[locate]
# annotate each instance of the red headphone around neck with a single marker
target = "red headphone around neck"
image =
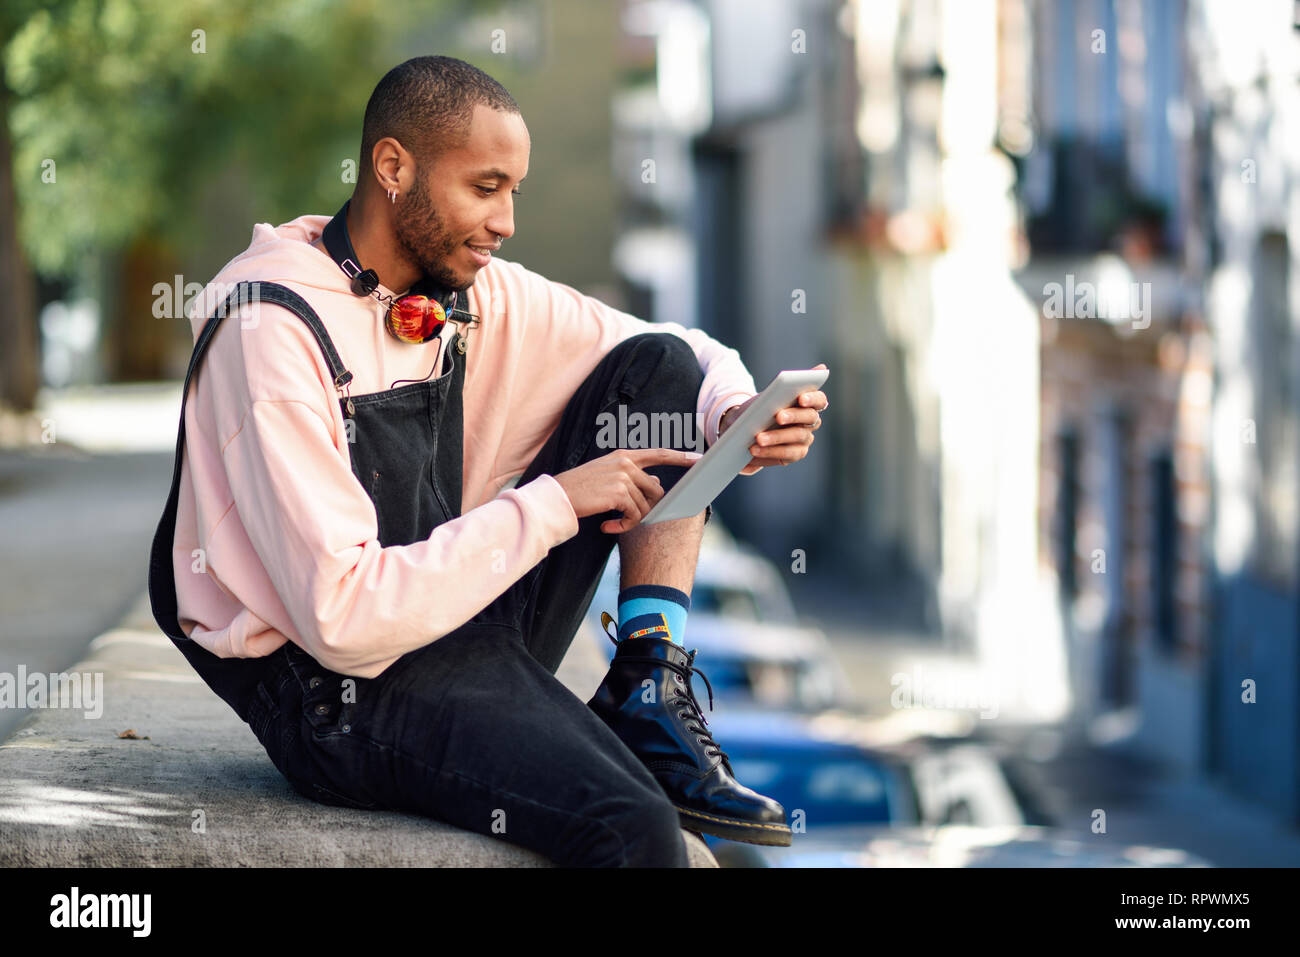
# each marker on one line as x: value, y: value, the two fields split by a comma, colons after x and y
x: 416, y: 317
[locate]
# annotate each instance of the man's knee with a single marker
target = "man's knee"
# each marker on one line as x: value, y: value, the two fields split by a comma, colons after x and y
x: 664, y: 370
x: 647, y: 833
x: 659, y: 842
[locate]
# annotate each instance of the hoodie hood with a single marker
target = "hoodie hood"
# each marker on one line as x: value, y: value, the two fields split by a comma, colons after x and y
x: 285, y: 253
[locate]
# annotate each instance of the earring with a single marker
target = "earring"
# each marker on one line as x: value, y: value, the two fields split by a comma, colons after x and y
x: 392, y: 196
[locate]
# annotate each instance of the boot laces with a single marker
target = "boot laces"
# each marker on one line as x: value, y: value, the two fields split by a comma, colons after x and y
x: 687, y: 698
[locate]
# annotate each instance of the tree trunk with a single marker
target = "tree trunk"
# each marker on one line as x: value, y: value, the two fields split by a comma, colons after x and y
x: 20, y: 376
x: 140, y: 343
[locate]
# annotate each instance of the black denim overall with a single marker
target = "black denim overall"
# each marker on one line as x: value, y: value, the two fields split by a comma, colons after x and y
x: 406, y: 451
x: 473, y: 728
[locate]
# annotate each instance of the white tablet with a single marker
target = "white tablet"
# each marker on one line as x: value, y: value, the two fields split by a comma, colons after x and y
x: 705, y: 480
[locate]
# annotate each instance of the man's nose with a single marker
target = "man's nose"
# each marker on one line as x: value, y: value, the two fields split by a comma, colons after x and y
x: 503, y: 222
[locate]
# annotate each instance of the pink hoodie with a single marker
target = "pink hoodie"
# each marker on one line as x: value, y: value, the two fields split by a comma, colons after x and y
x: 277, y: 541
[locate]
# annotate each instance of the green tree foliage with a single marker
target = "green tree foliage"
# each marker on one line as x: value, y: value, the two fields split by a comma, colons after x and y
x: 142, y: 105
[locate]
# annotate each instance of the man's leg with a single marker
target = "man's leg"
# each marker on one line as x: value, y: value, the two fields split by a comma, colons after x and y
x: 665, y: 553
x: 470, y: 730
x: 646, y: 698
x: 650, y: 374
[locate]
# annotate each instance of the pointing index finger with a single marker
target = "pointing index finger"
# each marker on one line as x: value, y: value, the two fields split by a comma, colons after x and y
x: 657, y: 456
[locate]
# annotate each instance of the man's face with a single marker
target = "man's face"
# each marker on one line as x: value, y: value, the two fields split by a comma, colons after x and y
x: 465, y: 199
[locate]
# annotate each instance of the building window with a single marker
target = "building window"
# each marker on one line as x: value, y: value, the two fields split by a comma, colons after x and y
x: 1067, y: 513
x: 1164, y: 551
x: 1277, y: 442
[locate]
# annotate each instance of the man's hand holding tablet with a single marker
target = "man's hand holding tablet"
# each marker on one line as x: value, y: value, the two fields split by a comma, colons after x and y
x: 791, y: 409
x: 789, y: 439
x: 775, y: 426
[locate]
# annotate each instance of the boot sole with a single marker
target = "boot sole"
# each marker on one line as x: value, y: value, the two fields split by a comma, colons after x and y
x: 731, y: 829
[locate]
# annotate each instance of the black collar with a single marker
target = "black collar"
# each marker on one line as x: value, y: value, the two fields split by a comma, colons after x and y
x: 364, y: 281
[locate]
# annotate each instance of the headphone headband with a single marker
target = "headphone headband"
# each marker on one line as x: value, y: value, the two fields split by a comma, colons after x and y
x: 365, y: 281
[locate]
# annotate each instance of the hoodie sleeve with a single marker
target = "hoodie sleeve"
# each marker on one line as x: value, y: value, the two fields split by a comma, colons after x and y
x: 570, y: 332
x: 353, y: 604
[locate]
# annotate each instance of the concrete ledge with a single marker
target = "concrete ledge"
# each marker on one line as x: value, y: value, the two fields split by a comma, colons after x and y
x: 72, y: 793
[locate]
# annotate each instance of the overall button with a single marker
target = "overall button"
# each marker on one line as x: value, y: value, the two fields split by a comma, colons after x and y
x: 315, y: 682
x: 322, y: 709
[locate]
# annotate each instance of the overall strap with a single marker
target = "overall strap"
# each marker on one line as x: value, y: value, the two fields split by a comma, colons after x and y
x: 257, y: 291
x: 162, y: 583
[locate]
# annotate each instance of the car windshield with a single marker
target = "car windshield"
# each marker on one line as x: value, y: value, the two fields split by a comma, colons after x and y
x: 724, y: 601
x: 827, y: 789
x: 798, y: 686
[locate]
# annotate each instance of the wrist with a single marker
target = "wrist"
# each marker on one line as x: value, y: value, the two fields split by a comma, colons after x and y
x: 727, y: 415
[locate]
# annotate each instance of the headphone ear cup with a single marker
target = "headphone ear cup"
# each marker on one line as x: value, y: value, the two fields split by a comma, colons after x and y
x: 415, y: 319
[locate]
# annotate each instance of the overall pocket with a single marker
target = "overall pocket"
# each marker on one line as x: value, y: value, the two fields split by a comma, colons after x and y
x: 328, y: 704
x: 321, y: 758
x: 329, y: 700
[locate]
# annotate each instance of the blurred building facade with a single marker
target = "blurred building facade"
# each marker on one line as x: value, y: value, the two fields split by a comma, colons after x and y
x: 1107, y: 191
x: 825, y: 187
x: 1042, y: 247
x: 1247, y: 113
x: 1159, y: 185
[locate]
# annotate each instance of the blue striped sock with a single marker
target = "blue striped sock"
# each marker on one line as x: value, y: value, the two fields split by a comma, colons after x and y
x: 638, y: 600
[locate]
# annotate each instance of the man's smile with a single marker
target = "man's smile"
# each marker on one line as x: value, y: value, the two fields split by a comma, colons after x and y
x: 482, y: 254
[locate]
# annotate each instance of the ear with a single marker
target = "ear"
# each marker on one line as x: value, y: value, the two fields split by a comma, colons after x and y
x: 392, y: 166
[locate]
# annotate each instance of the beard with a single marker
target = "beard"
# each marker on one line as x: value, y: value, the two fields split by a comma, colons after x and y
x: 425, y: 240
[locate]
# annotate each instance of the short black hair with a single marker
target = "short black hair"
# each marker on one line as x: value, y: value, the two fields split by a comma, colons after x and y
x: 427, y: 104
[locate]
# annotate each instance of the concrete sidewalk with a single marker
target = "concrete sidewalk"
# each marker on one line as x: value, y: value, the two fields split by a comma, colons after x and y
x: 193, y: 787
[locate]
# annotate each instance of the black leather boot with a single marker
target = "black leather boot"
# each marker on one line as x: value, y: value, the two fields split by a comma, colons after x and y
x: 667, y: 731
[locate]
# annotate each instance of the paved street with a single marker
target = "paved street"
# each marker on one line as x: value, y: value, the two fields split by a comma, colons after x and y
x: 1064, y: 776
x: 78, y: 526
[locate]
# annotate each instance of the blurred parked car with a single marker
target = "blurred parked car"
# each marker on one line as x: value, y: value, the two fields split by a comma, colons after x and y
x: 948, y: 846
x: 826, y: 770
x: 923, y: 801
x: 819, y: 779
